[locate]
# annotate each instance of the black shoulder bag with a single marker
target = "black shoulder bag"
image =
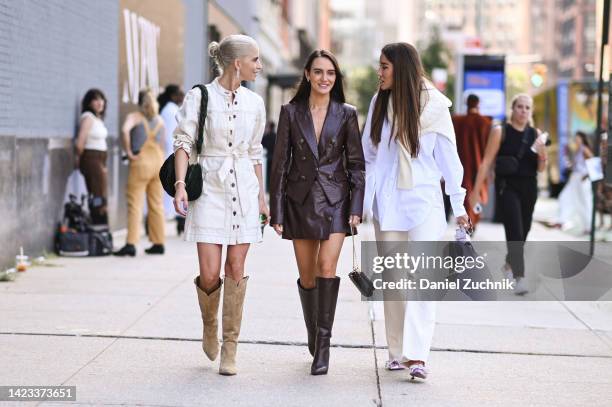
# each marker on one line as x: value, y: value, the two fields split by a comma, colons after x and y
x: 358, y: 277
x: 506, y: 165
x: 193, y: 178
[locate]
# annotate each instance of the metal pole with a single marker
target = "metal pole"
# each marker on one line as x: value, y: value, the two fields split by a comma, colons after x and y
x: 604, y: 42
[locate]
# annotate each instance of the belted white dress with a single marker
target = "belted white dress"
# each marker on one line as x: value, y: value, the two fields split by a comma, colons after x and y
x: 227, y: 212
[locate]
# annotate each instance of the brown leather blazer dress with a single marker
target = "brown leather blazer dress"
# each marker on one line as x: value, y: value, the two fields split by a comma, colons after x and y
x: 315, y: 187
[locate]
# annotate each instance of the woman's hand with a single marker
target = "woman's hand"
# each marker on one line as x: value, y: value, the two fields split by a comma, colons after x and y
x: 263, y: 210
x: 354, y: 220
x: 133, y: 157
x: 464, y: 222
x: 278, y: 229
x: 181, y: 201
x: 540, y: 147
x: 473, y: 199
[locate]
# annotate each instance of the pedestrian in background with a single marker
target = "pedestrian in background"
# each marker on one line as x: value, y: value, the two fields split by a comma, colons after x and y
x: 604, y: 189
x: 143, y: 141
x: 576, y: 198
x: 472, y: 131
x: 169, y: 102
x: 516, y: 193
x: 316, y: 192
x: 91, y: 152
x: 268, y: 141
x: 233, y: 199
x: 409, y: 144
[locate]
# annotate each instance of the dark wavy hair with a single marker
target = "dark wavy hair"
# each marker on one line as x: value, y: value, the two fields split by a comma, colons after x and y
x: 405, y: 94
x: 90, y: 95
x: 585, y: 139
x: 303, y: 91
x: 170, y: 91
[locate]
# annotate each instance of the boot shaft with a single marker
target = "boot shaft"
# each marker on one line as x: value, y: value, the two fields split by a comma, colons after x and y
x: 309, y: 300
x: 209, y: 303
x: 209, y: 308
x: 328, y: 297
x: 233, y: 301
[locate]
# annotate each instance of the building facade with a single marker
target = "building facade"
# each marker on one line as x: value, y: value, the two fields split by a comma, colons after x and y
x: 56, y: 50
x: 576, y: 40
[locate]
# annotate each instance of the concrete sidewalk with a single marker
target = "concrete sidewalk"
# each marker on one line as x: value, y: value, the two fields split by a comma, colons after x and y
x: 127, y: 331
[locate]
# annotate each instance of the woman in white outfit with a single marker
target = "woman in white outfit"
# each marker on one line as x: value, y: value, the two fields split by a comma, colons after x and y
x: 576, y: 199
x: 409, y: 144
x: 228, y: 211
x: 169, y: 102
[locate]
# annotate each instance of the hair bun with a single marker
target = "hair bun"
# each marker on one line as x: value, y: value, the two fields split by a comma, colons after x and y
x: 213, y: 50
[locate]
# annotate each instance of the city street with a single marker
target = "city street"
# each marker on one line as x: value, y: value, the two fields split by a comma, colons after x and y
x: 127, y: 331
x: 332, y: 110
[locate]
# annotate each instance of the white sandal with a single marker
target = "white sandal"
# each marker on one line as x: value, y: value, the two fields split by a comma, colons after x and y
x: 394, y: 365
x: 417, y: 370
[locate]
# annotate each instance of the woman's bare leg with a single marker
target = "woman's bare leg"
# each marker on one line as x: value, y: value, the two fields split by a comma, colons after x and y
x: 235, y: 259
x: 306, y: 253
x: 209, y: 257
x: 327, y: 260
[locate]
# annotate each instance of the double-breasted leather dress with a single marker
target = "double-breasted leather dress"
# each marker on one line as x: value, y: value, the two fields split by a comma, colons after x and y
x: 314, y: 187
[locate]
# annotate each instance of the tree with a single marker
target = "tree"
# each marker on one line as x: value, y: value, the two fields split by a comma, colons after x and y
x: 363, y: 83
x: 435, y: 54
x: 517, y: 81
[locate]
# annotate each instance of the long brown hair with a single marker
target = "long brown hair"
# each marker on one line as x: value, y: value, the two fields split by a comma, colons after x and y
x: 408, y: 75
x: 303, y: 91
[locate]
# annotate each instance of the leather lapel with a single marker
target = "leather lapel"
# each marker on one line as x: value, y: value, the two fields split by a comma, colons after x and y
x: 307, y: 127
x: 330, y: 125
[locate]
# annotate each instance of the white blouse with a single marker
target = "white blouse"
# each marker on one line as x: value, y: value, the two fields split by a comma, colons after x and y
x: 96, y: 138
x: 227, y: 212
x: 168, y: 115
x: 401, y: 209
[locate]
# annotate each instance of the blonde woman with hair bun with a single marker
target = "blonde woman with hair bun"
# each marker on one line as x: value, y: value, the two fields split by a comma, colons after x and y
x: 142, y: 136
x: 232, y: 201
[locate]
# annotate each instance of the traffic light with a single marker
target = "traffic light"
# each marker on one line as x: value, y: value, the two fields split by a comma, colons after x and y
x: 538, y: 77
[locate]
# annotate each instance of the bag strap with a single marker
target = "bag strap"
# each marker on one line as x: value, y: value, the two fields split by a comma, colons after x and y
x: 354, y: 252
x: 524, y: 143
x: 158, y: 126
x: 524, y: 140
x: 201, y: 116
x: 145, y: 124
x: 150, y: 133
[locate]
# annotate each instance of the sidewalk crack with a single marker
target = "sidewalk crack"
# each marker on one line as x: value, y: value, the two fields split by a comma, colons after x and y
x: 374, y: 347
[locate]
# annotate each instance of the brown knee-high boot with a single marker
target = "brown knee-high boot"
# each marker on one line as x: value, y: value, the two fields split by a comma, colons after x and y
x: 308, y: 298
x: 233, y: 300
x: 209, y: 307
x: 328, y: 297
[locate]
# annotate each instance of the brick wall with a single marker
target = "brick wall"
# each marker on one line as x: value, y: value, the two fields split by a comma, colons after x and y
x: 51, y: 52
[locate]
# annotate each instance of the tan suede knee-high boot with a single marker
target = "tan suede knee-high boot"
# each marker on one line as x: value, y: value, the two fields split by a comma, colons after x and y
x: 209, y: 307
x: 233, y: 300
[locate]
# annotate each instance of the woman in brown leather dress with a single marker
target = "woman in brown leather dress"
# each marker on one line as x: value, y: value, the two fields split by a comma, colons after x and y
x: 316, y: 191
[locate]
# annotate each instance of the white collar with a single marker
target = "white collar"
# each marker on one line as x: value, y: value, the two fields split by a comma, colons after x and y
x: 222, y: 90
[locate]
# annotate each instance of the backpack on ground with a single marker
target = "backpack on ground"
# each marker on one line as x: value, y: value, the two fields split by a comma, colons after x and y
x: 77, y: 237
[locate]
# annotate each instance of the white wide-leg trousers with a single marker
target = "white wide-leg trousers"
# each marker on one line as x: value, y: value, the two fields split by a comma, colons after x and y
x: 410, y: 325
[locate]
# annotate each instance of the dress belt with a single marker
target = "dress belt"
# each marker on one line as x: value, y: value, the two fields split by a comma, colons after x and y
x: 239, y: 152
